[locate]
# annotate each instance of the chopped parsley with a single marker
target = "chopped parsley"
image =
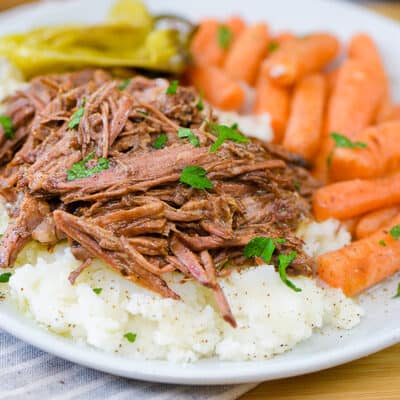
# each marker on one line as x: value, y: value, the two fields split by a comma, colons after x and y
x: 172, y: 88
x: 97, y: 290
x: 382, y: 243
x: 226, y: 133
x: 395, y: 232
x: 7, y: 124
x: 397, y: 293
x: 4, y: 278
x: 297, y: 185
x: 273, y: 46
x: 124, y: 84
x: 224, y: 37
x: 76, y: 116
x: 160, y: 142
x: 187, y: 133
x: 79, y: 169
x: 144, y: 113
x: 200, y: 103
x: 264, y: 248
x: 343, y: 141
x: 235, y: 126
x: 196, y: 177
x: 260, y: 247
x: 130, y: 337
x: 329, y: 159
x: 284, y: 260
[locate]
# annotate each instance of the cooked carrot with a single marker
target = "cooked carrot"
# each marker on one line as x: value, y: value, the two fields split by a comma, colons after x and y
x: 351, y: 225
x: 363, y: 263
x: 362, y: 47
x: 297, y: 58
x: 306, y: 116
x: 331, y: 79
x: 380, y: 157
x: 348, y: 199
x: 244, y: 58
x: 217, y: 87
x: 349, y: 109
x: 274, y: 100
x: 375, y: 220
x: 283, y: 37
x: 395, y: 113
x: 205, y: 48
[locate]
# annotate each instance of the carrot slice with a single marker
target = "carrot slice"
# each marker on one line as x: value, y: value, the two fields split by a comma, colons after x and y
x: 275, y: 101
x: 363, y: 263
x: 304, y: 127
x: 348, y: 199
x: 217, y: 87
x: 372, y: 222
x: 380, y: 157
x: 297, y: 58
x: 205, y: 48
x: 244, y: 58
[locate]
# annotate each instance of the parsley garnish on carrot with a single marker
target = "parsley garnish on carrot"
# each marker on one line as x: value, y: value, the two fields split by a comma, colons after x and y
x: 195, y: 177
x: 395, y: 232
x: 224, y: 37
x: 7, y: 124
x: 343, y: 141
x: 79, y: 169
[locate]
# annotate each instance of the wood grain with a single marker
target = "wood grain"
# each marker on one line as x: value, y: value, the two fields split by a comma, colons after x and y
x: 376, y: 377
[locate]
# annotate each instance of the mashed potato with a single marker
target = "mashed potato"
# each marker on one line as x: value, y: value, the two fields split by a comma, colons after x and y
x: 271, y: 318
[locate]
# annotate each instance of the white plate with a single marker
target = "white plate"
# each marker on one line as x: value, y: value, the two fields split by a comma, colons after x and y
x: 379, y: 327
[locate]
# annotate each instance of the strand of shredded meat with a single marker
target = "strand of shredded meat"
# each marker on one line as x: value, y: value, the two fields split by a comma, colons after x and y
x: 135, y: 215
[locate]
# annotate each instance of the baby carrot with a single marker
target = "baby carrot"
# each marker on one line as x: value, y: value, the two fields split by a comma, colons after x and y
x: 275, y: 101
x: 380, y: 156
x: 283, y: 37
x: 351, y: 225
x: 348, y: 199
x: 217, y: 87
x: 375, y: 220
x: 362, y: 47
x: 208, y: 46
x: 363, y: 263
x: 349, y: 109
x: 297, y: 58
x: 244, y: 58
x: 305, y: 122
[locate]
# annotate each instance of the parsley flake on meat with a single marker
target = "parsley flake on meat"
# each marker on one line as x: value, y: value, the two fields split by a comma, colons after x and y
x: 124, y: 84
x: 76, y: 117
x: 160, y: 142
x: 226, y: 133
x: 195, y: 177
x: 172, y: 88
x: 7, y: 124
x: 79, y: 169
x: 187, y: 133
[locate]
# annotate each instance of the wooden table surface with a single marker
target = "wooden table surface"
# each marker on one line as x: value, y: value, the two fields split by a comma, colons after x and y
x: 376, y: 377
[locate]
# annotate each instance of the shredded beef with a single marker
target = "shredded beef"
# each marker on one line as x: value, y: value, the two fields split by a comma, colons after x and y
x: 135, y: 214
